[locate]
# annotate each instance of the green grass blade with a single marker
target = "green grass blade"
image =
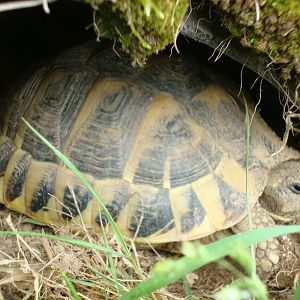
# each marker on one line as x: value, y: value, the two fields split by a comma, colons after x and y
x: 33, y: 222
x: 187, y: 289
x: 168, y: 272
x: 63, y: 239
x: 296, y: 295
x: 249, y: 208
x: 70, y: 285
x: 85, y: 283
x: 73, y: 168
x: 107, y: 279
x: 113, y: 269
x: 244, y: 288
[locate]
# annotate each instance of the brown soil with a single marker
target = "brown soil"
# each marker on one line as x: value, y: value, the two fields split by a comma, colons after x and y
x: 30, y: 268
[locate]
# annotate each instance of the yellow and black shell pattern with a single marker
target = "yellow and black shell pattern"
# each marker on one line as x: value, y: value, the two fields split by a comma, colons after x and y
x: 164, y: 146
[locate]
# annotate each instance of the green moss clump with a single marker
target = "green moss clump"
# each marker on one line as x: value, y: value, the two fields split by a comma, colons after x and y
x: 270, y: 26
x: 142, y: 26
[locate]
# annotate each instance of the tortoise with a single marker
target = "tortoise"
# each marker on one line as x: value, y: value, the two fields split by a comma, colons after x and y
x: 165, y: 147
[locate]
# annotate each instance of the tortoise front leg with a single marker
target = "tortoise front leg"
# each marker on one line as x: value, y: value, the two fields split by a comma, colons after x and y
x: 267, y: 252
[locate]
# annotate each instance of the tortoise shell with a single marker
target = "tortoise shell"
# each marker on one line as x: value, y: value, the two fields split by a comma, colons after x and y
x: 165, y: 146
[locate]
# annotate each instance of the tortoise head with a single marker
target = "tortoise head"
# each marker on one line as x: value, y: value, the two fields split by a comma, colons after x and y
x: 282, y: 192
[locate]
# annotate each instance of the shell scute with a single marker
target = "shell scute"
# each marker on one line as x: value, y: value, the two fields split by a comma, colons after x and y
x: 75, y: 200
x: 16, y: 175
x: 195, y: 213
x: 43, y: 191
x: 7, y: 148
x: 56, y: 102
x: 152, y: 214
x: 116, y: 198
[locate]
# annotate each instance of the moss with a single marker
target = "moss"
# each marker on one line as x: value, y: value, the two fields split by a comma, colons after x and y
x: 142, y: 26
x: 274, y: 28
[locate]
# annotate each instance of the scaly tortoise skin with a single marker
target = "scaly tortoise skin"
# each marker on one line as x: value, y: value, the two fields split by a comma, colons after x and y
x: 165, y: 147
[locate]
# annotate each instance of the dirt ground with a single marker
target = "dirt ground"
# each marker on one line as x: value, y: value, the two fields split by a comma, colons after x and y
x: 30, y: 268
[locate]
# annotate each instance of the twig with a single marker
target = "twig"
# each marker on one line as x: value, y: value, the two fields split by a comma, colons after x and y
x: 25, y: 4
x: 257, y: 8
